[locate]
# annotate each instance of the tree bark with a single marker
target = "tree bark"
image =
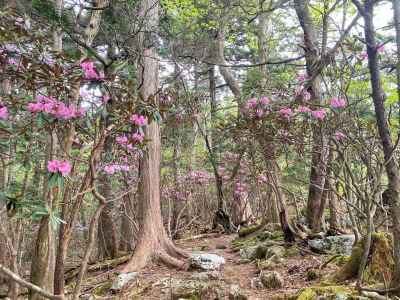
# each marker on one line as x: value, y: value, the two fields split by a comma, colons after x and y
x: 153, y: 241
x: 378, y: 97
x: 319, y: 148
x: 70, y: 214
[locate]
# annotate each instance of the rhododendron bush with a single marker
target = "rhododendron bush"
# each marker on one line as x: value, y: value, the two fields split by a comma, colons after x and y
x: 121, y: 131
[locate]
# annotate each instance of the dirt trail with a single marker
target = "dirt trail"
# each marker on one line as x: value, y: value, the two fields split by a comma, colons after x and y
x: 293, y: 270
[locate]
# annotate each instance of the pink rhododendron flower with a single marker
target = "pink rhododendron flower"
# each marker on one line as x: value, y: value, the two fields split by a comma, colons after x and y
x: 54, y: 166
x: 110, y: 169
x: 90, y: 72
x: 137, y: 137
x: 264, y: 100
x: 55, y: 108
x: 262, y: 179
x: 338, y: 102
x: 380, y: 48
x: 239, y: 189
x: 302, y: 77
x: 364, y: 56
x: 303, y: 109
x: 35, y: 107
x: 339, y: 135
x: 138, y: 120
x: 319, y: 114
x: 3, y: 113
x: 105, y: 99
x: 286, y: 112
x: 64, y: 167
x: 251, y: 103
x: 122, y: 140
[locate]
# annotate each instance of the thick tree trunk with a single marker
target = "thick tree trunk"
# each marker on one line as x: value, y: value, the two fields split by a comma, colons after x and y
x: 378, y: 97
x: 153, y: 241
x: 320, y: 147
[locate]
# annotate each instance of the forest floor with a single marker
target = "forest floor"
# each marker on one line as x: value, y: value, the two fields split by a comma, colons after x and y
x: 156, y: 281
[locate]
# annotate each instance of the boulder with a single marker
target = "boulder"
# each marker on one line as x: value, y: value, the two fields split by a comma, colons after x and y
x: 271, y: 280
x: 340, y: 244
x: 256, y: 252
x: 123, y: 279
x: 206, y: 261
x: 276, y: 251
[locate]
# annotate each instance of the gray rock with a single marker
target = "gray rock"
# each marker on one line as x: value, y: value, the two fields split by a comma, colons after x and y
x: 277, y: 251
x: 271, y: 280
x: 256, y: 252
x: 236, y: 293
x: 341, y: 244
x: 212, y: 275
x: 122, y: 279
x: 206, y: 261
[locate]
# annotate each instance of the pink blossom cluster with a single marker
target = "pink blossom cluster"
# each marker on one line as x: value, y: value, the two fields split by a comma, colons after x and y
x: 55, y: 108
x: 3, y: 112
x: 300, y: 91
x: 339, y: 135
x: 223, y: 173
x: 257, y: 107
x: 125, y: 141
x: 303, y: 109
x: 198, y: 177
x: 111, y: 169
x: 63, y: 167
x: 319, y: 114
x: 338, y: 103
x: 105, y: 99
x: 138, y: 120
x: 239, y: 189
x: 286, y: 113
x: 89, y: 71
x: 262, y: 179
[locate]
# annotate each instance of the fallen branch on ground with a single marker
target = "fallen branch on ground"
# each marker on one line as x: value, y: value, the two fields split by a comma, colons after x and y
x: 11, y: 275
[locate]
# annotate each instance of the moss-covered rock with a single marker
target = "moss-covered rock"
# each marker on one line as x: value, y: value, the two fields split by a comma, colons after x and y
x: 380, y: 262
x: 102, y: 289
x: 327, y: 292
x: 245, y: 231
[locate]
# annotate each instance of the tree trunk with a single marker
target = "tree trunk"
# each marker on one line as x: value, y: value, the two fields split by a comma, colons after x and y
x: 65, y: 231
x: 378, y: 97
x: 153, y: 242
x: 319, y: 148
x: 128, y: 225
x: 107, y: 230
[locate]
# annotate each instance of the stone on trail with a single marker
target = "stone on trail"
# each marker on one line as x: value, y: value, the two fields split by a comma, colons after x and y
x: 271, y: 280
x: 236, y: 293
x: 340, y: 244
x: 123, y: 279
x: 206, y: 261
